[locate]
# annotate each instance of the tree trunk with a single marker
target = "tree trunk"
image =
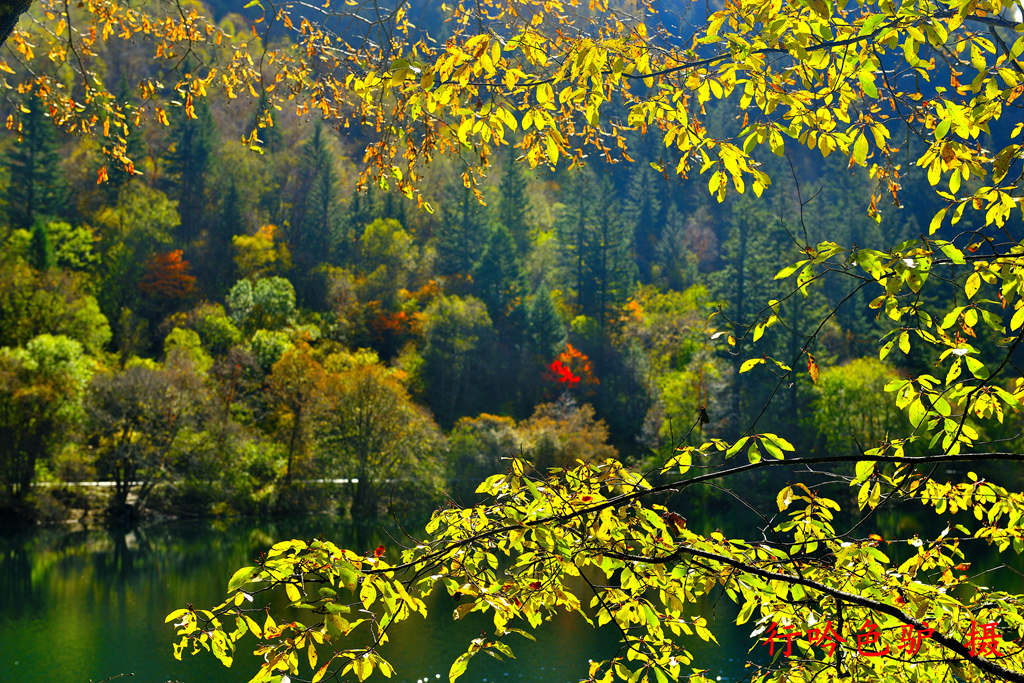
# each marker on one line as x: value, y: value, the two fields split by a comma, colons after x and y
x: 738, y: 313
x: 10, y: 12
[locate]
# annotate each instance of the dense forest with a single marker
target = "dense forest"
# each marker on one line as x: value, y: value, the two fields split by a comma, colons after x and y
x: 226, y: 327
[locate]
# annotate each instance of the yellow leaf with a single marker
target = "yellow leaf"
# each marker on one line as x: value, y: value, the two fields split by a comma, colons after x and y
x: 545, y: 94
x: 552, y: 150
x: 464, y: 128
x: 972, y: 285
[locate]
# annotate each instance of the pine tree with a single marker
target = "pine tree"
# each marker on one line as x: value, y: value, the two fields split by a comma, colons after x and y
x: 215, y: 263
x: 463, y: 221
x: 117, y: 175
x: 190, y: 163
x: 315, y: 222
x: 40, y: 251
x: 611, y: 271
x: 494, y: 277
x: 674, y: 265
x: 644, y: 215
x: 36, y: 187
x: 545, y: 327
x: 748, y: 267
x: 513, y: 204
x: 315, y: 210
x: 572, y: 226
x: 269, y: 135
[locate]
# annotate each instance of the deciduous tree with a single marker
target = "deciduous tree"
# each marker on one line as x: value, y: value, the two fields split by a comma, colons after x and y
x: 41, y: 389
x: 372, y: 431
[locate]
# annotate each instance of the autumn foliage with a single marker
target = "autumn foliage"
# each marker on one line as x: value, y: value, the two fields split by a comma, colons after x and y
x: 167, y: 276
x: 571, y: 368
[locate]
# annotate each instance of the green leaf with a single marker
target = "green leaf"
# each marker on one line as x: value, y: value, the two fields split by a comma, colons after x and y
x: 864, y: 469
x: 173, y: 616
x: 684, y: 460
x: 976, y: 367
x: 867, y: 82
x: 241, y: 577
x: 737, y: 447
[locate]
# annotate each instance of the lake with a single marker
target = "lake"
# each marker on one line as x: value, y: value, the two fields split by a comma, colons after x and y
x: 90, y: 605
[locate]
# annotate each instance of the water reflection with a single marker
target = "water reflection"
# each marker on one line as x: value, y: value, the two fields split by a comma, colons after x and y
x: 88, y: 605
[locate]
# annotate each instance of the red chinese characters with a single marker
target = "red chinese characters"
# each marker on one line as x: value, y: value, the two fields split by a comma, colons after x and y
x: 983, y: 641
x: 787, y: 634
x: 911, y: 639
x: 826, y: 637
x: 869, y: 639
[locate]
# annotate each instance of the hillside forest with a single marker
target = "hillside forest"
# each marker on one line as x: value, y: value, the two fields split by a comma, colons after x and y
x: 227, y: 331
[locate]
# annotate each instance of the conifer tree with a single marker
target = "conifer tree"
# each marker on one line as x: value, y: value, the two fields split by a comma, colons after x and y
x: 269, y: 135
x: 674, y: 265
x: 746, y: 276
x: 41, y: 254
x: 315, y: 218
x: 494, y: 276
x: 458, y: 235
x: 513, y: 204
x: 190, y: 163
x: 314, y: 214
x: 643, y: 213
x: 609, y: 268
x: 36, y: 185
x: 216, y: 265
x: 572, y: 229
x: 545, y: 327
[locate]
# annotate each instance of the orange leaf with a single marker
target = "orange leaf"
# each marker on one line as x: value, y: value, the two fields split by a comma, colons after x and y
x: 812, y: 368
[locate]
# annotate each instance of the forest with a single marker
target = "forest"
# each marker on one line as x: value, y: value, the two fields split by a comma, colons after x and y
x: 202, y: 332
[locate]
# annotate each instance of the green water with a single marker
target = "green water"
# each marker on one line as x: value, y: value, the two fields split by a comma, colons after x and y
x: 90, y: 605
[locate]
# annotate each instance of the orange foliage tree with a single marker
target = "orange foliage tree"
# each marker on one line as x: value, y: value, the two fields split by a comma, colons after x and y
x: 167, y: 277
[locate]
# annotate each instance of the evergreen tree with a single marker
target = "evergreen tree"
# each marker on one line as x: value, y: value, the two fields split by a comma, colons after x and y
x: 117, y: 175
x: 463, y: 221
x: 216, y: 264
x: 749, y: 264
x: 610, y: 270
x: 644, y: 215
x: 36, y: 185
x: 315, y: 218
x: 269, y: 135
x: 572, y: 228
x: 40, y: 252
x: 135, y: 149
x: 513, y: 204
x: 494, y: 277
x: 190, y: 163
x: 674, y: 265
x: 545, y: 327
